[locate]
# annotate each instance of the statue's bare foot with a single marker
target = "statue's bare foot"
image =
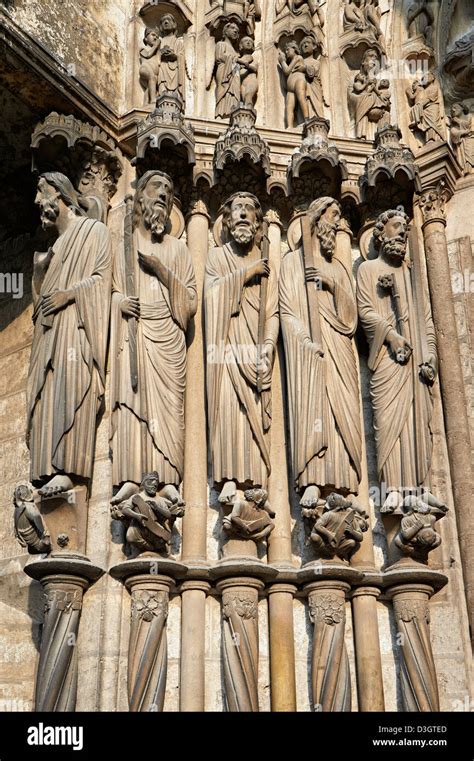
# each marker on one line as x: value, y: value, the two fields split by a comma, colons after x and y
x: 127, y: 490
x: 311, y: 497
x: 433, y: 501
x: 171, y: 493
x: 394, y: 500
x: 228, y: 493
x: 57, y: 485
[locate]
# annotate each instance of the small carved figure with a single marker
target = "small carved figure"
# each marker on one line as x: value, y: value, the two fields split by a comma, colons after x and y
x: 417, y: 536
x: 425, y: 115
x: 151, y: 515
x: 297, y: 8
x: 363, y: 17
x: 462, y: 135
x: 312, y: 70
x: 339, y: 530
x: 227, y: 72
x: 420, y: 20
x: 292, y: 65
x: 29, y: 527
x: 150, y: 60
x: 370, y: 97
x: 162, y: 61
x: 248, y: 72
x: 251, y: 518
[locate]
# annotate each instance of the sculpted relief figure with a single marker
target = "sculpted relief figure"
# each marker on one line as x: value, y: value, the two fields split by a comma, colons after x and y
x: 362, y: 17
x: 420, y: 20
x: 248, y: 72
x: 303, y: 80
x: 241, y: 311
x: 462, y: 135
x: 370, y: 98
x: 251, y: 517
x: 162, y: 61
x: 417, y: 536
x: 426, y: 119
x: 403, y: 359
x: 155, y: 290
x: 339, y: 530
x: 227, y: 71
x: 319, y: 317
x: 29, y: 527
x: 297, y: 7
x: 71, y: 305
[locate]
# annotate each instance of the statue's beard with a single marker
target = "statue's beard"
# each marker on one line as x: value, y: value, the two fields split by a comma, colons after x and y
x: 395, y: 248
x: 49, y: 212
x: 326, y: 232
x: 244, y: 233
x: 155, y: 216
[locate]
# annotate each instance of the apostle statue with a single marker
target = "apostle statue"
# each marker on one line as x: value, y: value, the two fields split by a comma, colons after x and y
x: 318, y: 315
x: 403, y: 359
x: 241, y: 312
x: 426, y: 118
x: 154, y: 298
x: 71, y: 306
x: 227, y: 71
x: 462, y: 135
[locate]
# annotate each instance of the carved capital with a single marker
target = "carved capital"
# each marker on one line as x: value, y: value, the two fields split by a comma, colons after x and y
x: 432, y: 203
x: 326, y: 608
x: 240, y: 603
x: 148, y: 604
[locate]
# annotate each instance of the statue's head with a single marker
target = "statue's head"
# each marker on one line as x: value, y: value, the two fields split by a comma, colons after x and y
x: 150, y: 35
x: 370, y: 61
x: 246, y: 45
x: 325, y: 215
x: 153, y: 201
x: 257, y: 496
x: 150, y: 483
x: 168, y: 24
x: 391, y: 233
x: 55, y: 188
x: 308, y: 45
x: 22, y: 493
x: 459, y: 109
x: 242, y: 218
x: 231, y: 31
x: 336, y: 502
x: 292, y: 49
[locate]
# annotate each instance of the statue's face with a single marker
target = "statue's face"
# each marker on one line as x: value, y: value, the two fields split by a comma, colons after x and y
x: 326, y: 229
x: 151, y: 486
x: 243, y: 220
x: 246, y: 45
x: 47, y: 198
x: 371, y: 60
x: 456, y: 110
x: 332, y: 215
x: 168, y: 24
x: 156, y: 202
x: 307, y: 46
x: 232, y: 32
x: 151, y: 38
x: 290, y: 51
x: 394, y: 238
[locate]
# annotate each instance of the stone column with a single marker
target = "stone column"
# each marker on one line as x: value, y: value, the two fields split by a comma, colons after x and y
x: 193, y: 594
x: 64, y: 580
x: 280, y: 596
x: 431, y: 202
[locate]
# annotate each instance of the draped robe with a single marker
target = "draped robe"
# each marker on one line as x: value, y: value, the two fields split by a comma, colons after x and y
x: 66, y: 378
x: 171, y: 74
x: 401, y: 400
x: 227, y: 78
x: 147, y: 427
x: 323, y: 393
x: 239, y: 416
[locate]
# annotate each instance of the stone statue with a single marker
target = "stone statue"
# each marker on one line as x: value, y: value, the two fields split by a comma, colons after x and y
x: 248, y: 72
x: 462, y: 135
x: 426, y: 119
x: 227, y: 71
x: 29, y: 527
x: 370, y: 97
x: 250, y: 11
x: 318, y: 315
x: 150, y: 516
x: 403, y: 359
x: 71, y: 305
x: 147, y: 422
x: 241, y: 311
x: 162, y: 61
x: 251, y: 517
x: 297, y: 8
x: 417, y: 536
x: 303, y: 80
x: 420, y: 20
x: 339, y: 531
x: 362, y: 17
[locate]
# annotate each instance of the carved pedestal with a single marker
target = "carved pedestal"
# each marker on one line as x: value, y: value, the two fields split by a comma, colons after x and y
x: 64, y: 580
x: 149, y: 580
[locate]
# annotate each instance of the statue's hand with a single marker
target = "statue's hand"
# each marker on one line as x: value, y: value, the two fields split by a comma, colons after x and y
x: 266, y: 356
x: 260, y: 268
x: 148, y: 262
x: 54, y: 302
x: 429, y: 369
x: 130, y: 307
x: 400, y: 347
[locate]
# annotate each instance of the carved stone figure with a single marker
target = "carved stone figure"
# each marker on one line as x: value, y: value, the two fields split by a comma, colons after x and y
x: 151, y: 515
x: 241, y: 311
x: 370, y: 97
x: 417, y: 536
x: 303, y: 80
x: 71, y: 304
x: 403, y: 358
x: 339, y: 531
x: 420, y: 20
x: 462, y: 135
x: 227, y: 71
x: 163, y: 65
x: 362, y: 17
x: 250, y: 11
x: 426, y: 119
x: 154, y: 298
x: 29, y: 527
x: 248, y: 72
x: 319, y: 316
x: 251, y: 517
